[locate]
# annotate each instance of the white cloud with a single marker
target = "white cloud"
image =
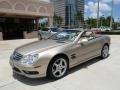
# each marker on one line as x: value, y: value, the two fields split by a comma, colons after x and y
x: 106, y: 1
x: 117, y: 1
x: 86, y: 8
x: 92, y: 8
x: 109, y: 1
x: 104, y: 7
x: 94, y: 14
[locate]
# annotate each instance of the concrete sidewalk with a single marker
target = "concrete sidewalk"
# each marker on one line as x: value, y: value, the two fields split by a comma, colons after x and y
x: 93, y: 75
x: 6, y: 49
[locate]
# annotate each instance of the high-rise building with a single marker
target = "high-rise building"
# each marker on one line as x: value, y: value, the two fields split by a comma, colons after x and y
x: 80, y: 6
x: 67, y: 10
x: 59, y: 9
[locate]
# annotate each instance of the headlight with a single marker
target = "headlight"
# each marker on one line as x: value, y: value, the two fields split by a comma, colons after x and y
x: 29, y: 59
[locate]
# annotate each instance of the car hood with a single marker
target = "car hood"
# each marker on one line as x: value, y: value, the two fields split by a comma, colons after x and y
x: 38, y: 46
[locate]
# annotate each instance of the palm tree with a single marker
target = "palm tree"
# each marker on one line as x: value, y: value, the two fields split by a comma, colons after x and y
x: 57, y: 20
x: 80, y: 18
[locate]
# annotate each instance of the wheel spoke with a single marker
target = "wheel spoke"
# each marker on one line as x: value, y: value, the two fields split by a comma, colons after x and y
x: 56, y: 65
x: 60, y: 72
x: 63, y: 66
x: 61, y: 62
x: 55, y: 72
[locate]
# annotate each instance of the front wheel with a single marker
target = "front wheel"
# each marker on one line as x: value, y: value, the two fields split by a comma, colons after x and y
x: 58, y: 68
x: 105, y: 51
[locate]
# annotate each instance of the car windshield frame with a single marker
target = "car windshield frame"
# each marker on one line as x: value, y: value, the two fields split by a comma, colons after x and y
x: 66, y: 35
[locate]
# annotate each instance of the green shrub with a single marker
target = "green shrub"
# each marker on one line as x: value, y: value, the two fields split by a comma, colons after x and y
x: 110, y: 33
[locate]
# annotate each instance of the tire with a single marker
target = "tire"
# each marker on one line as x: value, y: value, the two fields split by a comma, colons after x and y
x: 39, y: 37
x: 57, y: 68
x: 105, y: 51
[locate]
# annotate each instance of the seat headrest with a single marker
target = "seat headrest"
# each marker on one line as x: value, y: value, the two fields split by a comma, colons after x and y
x: 88, y: 34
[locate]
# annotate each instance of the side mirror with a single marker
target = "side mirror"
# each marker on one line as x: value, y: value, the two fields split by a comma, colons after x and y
x: 83, y: 41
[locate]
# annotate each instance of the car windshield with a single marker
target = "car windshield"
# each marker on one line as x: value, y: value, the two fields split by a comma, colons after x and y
x: 66, y: 35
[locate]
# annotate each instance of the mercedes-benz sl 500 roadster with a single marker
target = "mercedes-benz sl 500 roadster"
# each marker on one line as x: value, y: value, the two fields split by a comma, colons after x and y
x: 54, y: 56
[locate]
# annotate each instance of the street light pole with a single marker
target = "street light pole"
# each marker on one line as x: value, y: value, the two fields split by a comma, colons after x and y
x: 118, y: 22
x: 111, y: 21
x: 102, y: 20
x: 98, y: 14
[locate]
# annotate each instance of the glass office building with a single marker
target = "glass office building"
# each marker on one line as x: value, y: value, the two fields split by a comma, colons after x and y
x: 68, y: 9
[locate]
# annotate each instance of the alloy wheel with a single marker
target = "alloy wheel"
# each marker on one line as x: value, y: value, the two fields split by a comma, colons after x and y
x: 105, y: 51
x: 59, y: 68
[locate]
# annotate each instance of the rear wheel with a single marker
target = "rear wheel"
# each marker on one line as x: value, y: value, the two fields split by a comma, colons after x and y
x: 57, y: 68
x: 105, y: 51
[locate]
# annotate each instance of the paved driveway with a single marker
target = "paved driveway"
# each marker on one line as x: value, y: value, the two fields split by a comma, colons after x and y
x: 93, y: 75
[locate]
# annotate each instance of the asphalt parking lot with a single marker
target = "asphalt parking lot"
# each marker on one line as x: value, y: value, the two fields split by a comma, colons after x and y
x: 96, y: 74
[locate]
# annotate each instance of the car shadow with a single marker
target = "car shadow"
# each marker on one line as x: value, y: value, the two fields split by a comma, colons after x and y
x: 84, y: 65
x: 41, y: 81
x: 32, y: 81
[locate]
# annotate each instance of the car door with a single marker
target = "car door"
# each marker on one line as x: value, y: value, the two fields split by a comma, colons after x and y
x: 90, y: 48
x: 76, y: 52
x: 81, y: 52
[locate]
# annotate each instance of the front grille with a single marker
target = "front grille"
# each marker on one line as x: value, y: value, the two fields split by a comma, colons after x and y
x: 31, y: 72
x: 17, y: 56
x: 16, y: 69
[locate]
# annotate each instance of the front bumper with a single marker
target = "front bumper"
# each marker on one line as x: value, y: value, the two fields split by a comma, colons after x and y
x: 30, y: 72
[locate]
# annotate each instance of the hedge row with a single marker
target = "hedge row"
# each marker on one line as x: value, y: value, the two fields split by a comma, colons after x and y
x: 111, y: 33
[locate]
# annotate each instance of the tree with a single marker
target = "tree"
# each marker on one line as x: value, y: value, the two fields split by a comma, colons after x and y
x: 102, y: 21
x: 108, y: 20
x: 79, y: 17
x: 91, y: 22
x: 57, y: 20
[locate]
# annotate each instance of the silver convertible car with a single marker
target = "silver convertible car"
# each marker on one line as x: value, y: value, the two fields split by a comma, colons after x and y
x: 54, y: 56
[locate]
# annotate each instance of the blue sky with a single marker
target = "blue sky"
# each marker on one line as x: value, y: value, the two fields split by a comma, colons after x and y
x: 105, y: 8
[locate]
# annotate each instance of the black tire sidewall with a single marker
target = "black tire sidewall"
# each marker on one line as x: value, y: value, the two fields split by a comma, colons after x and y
x: 102, y: 51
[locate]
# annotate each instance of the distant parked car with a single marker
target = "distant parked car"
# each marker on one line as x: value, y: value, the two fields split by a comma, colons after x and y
x: 96, y: 30
x: 118, y: 28
x: 44, y: 33
x: 53, y: 30
x: 104, y: 28
x: 47, y: 32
